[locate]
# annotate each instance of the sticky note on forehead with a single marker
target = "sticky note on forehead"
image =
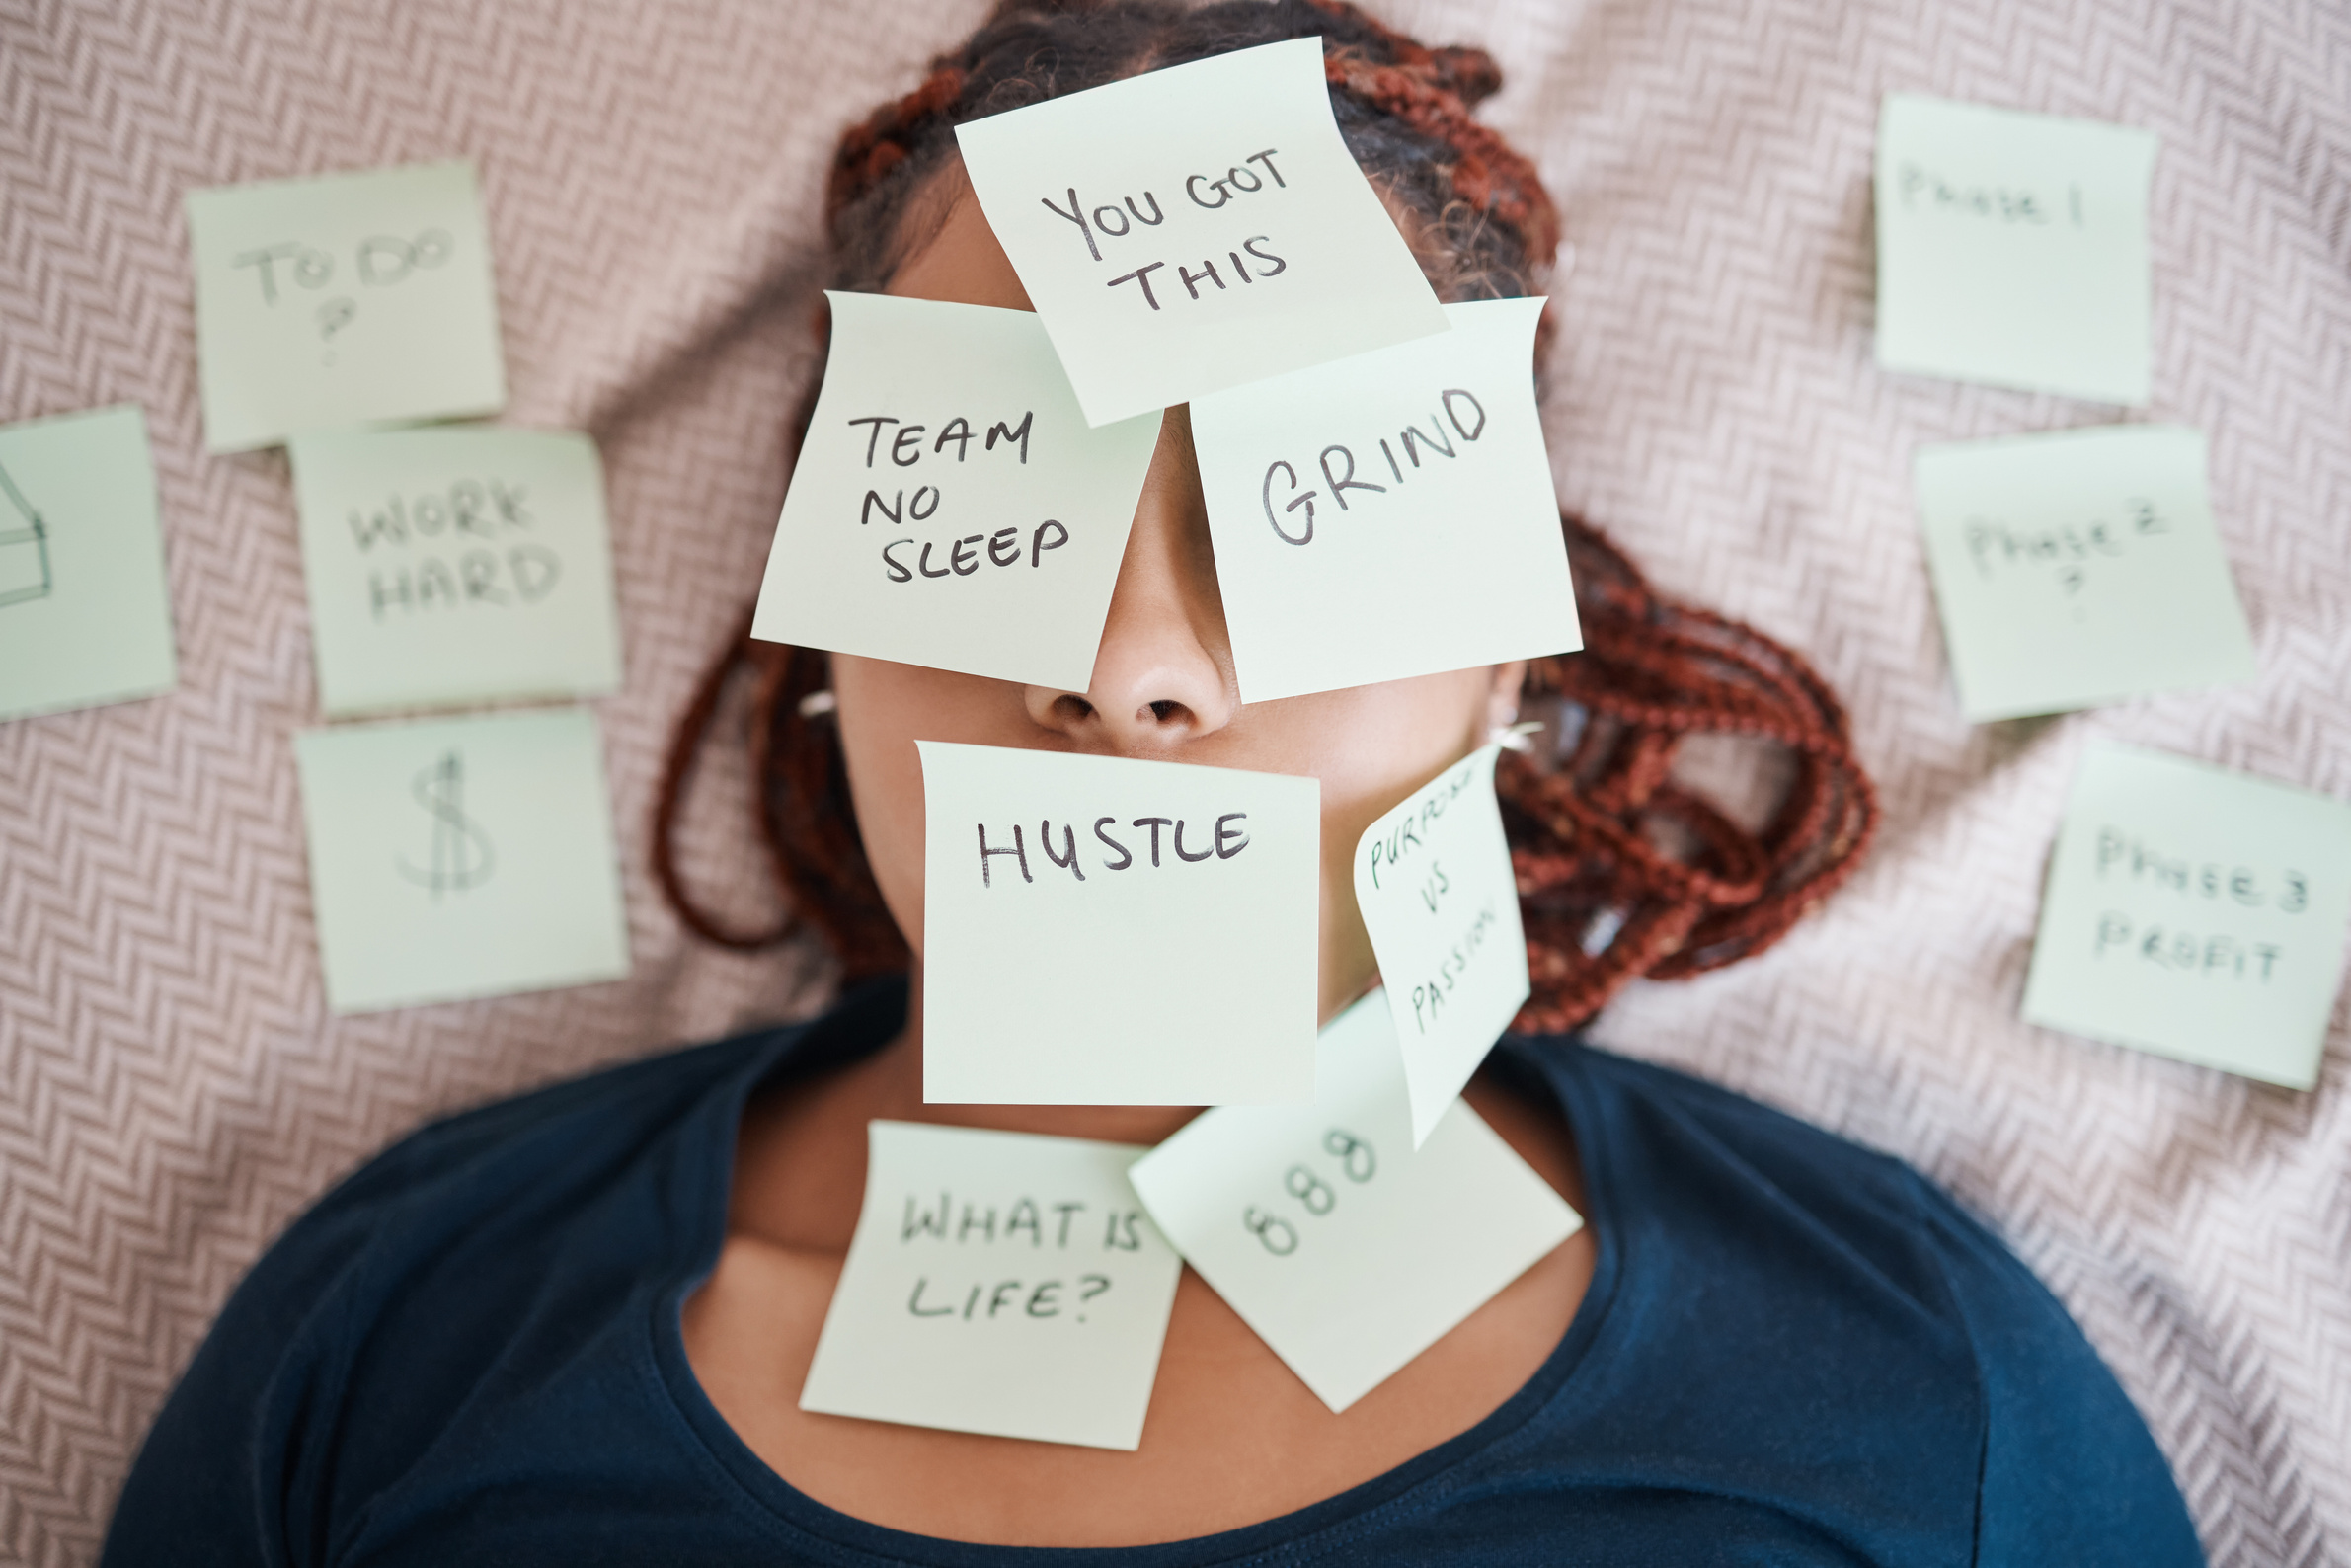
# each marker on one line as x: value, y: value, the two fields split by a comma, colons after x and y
x: 1103, y: 931
x: 1390, y: 514
x: 2195, y: 912
x: 951, y: 506
x: 1197, y: 227
x: 2013, y: 249
x: 2078, y: 568
x: 1002, y: 1282
x: 352, y: 299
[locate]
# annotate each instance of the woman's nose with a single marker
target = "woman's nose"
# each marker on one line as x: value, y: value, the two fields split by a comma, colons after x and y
x: 1163, y: 673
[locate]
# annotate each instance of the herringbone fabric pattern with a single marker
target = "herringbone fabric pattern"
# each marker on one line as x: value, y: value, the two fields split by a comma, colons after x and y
x: 174, y: 1090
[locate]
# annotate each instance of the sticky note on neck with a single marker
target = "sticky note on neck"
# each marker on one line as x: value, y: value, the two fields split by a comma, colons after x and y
x: 1103, y: 931
x: 351, y: 300
x: 2013, y: 249
x: 85, y: 610
x: 2078, y: 569
x: 2195, y: 912
x: 1390, y: 514
x: 456, y: 566
x: 1433, y: 878
x: 1347, y: 1251
x: 951, y: 506
x: 1196, y: 227
x: 1001, y: 1283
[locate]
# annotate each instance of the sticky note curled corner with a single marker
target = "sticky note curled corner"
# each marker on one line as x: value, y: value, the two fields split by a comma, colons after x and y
x: 2195, y: 912
x: 1347, y: 1251
x: 2078, y: 568
x: 1389, y: 514
x: 1196, y: 227
x: 2013, y: 249
x: 1001, y: 1283
x: 1100, y: 930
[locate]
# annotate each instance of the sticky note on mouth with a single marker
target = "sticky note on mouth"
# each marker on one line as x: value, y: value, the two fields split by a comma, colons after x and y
x: 1104, y: 931
x: 1197, y: 227
x: 2195, y: 912
x: 1001, y: 1283
x: 951, y: 507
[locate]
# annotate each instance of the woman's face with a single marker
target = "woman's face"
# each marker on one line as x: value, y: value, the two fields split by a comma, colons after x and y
x: 1162, y: 685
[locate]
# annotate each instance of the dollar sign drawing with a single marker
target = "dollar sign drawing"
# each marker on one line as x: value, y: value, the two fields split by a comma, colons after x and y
x: 461, y: 854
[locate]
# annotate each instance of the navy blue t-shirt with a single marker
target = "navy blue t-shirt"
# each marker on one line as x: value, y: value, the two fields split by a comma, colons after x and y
x: 1792, y: 1350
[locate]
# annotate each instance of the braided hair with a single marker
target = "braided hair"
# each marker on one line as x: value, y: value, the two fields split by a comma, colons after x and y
x: 1623, y: 870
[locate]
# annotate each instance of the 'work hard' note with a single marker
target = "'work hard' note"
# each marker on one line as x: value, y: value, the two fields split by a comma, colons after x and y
x: 456, y: 566
x: 1194, y: 228
x: 342, y: 300
x: 951, y: 507
x: 1389, y: 514
x: 2013, y: 249
x: 1103, y: 931
x: 1001, y: 1283
x: 2078, y: 568
x: 2195, y: 912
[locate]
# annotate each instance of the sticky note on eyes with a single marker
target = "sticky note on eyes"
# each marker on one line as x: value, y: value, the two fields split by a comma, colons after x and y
x: 2013, y: 249
x: 454, y: 566
x: 1001, y: 1283
x: 351, y: 300
x: 1390, y: 514
x: 2078, y: 568
x: 1434, y: 881
x: 84, y: 612
x: 1103, y: 931
x: 461, y: 857
x: 951, y: 507
x: 1345, y: 1249
x: 2195, y: 912
x: 1194, y: 228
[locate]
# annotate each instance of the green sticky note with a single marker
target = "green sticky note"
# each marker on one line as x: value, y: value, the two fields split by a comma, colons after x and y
x: 2195, y: 912
x: 456, y: 566
x: 85, y: 614
x: 2013, y: 249
x: 2078, y: 568
x: 351, y: 300
x: 461, y: 857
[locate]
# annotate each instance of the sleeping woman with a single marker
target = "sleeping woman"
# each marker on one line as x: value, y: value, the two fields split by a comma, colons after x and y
x: 572, y: 1328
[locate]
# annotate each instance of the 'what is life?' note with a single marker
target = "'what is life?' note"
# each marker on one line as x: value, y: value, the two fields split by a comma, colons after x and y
x: 1002, y: 1282
x: 1194, y: 228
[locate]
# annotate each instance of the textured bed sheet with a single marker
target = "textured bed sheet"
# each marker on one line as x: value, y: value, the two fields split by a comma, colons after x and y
x: 173, y: 1090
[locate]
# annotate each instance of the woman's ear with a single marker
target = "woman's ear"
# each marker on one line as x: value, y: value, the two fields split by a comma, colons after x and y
x: 1502, y: 697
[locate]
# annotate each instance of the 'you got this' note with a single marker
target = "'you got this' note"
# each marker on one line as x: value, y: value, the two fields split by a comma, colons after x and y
x: 2013, y: 249
x: 1103, y: 931
x: 951, y: 506
x: 2195, y: 912
x: 2078, y: 568
x: 1389, y: 514
x: 461, y: 857
x: 1197, y: 227
x: 348, y: 300
x: 454, y: 566
x: 1001, y: 1283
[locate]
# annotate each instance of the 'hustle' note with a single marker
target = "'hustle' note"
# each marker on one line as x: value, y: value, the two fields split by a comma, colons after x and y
x: 461, y: 857
x: 1194, y: 228
x: 1103, y: 931
x: 347, y: 299
x: 2195, y: 912
x: 1002, y: 1282
x: 2078, y: 568
x: 950, y: 506
x: 2013, y: 249
x: 1347, y: 1251
x: 456, y: 566
x: 84, y: 611
x: 1390, y: 514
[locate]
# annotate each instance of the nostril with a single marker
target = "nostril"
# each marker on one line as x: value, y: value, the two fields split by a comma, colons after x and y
x: 1072, y: 709
x: 1167, y: 712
